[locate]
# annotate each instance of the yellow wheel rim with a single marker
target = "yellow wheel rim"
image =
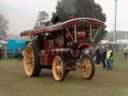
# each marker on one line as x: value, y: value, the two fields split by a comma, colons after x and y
x: 57, y: 68
x: 86, y: 67
x: 28, y: 60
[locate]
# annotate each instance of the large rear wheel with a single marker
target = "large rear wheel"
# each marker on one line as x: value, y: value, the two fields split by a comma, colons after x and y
x: 58, y: 68
x: 31, y: 60
x: 87, y: 67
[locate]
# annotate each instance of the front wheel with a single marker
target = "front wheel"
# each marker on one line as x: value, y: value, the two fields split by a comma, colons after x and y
x: 87, y: 67
x: 31, y: 60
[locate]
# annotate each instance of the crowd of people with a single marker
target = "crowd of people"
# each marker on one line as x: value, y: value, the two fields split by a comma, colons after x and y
x: 103, y: 55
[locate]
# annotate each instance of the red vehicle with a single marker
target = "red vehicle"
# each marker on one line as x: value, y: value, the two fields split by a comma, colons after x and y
x: 62, y: 47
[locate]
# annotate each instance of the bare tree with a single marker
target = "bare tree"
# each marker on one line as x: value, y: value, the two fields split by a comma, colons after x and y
x: 3, y: 26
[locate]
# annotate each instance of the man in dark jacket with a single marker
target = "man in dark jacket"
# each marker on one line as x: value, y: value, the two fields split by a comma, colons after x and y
x: 103, y: 56
x: 98, y: 56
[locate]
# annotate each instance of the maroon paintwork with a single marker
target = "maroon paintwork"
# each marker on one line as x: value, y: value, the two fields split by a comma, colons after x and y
x: 75, y: 31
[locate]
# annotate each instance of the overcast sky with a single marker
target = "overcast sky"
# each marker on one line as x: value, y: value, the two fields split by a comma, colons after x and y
x: 22, y: 14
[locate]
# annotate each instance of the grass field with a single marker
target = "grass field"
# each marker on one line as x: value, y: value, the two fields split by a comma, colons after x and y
x: 13, y: 81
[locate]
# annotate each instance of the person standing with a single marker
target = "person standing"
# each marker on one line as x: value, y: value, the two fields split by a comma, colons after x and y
x: 125, y: 52
x: 98, y: 56
x: 109, y: 58
x: 103, y: 56
x: 0, y: 53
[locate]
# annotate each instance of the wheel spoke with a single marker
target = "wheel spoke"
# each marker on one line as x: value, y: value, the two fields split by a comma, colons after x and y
x: 29, y: 67
x: 60, y: 74
x: 87, y: 66
x: 59, y: 63
x: 32, y: 61
x: 28, y: 50
x: 28, y: 55
x: 60, y: 68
